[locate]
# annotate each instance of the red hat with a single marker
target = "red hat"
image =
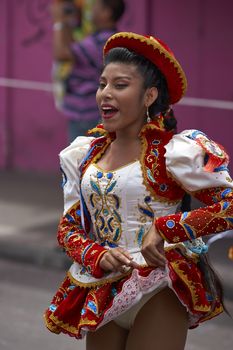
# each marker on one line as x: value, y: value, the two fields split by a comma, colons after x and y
x: 158, y: 53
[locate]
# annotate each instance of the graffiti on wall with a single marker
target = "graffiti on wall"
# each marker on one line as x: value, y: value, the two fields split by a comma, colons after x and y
x: 37, y: 13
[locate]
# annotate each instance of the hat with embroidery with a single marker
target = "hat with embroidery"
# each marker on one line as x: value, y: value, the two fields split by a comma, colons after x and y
x: 158, y: 53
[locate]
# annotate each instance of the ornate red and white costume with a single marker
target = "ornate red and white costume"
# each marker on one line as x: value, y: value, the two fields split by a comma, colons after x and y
x: 116, y: 208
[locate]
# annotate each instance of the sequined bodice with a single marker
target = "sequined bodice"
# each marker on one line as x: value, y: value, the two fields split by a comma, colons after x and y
x: 121, y: 208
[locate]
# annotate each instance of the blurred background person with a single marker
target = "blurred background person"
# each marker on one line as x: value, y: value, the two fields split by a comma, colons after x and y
x: 80, y: 30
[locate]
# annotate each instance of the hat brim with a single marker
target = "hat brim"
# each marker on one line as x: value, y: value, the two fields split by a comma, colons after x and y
x: 158, y: 54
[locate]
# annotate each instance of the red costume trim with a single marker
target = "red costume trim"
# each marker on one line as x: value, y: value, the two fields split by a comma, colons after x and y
x: 77, y: 245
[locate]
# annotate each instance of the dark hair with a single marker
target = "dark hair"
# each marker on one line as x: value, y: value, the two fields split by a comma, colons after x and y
x: 152, y: 77
x: 117, y: 7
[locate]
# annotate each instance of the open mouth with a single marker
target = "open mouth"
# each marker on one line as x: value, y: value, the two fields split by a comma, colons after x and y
x: 109, y: 112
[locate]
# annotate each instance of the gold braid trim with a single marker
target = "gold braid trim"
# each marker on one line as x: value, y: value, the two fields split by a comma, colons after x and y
x: 143, y: 168
x: 50, y: 325
x: 191, y: 288
x: 215, y: 312
x: 99, y: 257
x: 101, y: 282
x: 101, y: 151
x: 101, y: 131
x: 63, y: 325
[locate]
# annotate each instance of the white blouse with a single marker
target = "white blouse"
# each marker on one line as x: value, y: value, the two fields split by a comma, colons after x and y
x: 121, y: 208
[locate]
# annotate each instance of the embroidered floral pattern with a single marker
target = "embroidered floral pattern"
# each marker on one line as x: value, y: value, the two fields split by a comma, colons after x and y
x: 106, y: 204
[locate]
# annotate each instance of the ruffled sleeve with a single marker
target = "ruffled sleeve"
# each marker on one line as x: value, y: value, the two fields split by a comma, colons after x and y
x: 71, y: 234
x: 199, y: 165
x: 70, y: 159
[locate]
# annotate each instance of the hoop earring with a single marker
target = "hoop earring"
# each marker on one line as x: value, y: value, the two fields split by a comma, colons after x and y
x: 148, y: 118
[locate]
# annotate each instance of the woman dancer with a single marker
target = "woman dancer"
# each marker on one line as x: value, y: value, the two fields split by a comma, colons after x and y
x: 139, y: 277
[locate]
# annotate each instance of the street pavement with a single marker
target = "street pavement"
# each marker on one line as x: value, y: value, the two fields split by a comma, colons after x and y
x: 30, y: 207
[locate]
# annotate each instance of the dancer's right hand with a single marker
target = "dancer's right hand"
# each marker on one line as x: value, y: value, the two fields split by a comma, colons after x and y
x: 117, y: 260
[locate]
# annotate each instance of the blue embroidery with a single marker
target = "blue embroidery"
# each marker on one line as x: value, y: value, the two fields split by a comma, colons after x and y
x: 70, y: 233
x: 71, y: 287
x: 155, y: 142
x: 106, y: 205
x: 140, y: 235
x: 78, y: 212
x: 163, y: 187
x: 99, y: 175
x: 230, y: 219
x: 226, y: 192
x: 149, y: 175
x: 170, y: 223
x: 70, y: 218
x: 195, y: 134
x: 209, y: 297
x: 189, y: 230
x: 146, y: 211
x: 109, y: 176
x: 111, y: 187
x: 92, y: 306
x: 221, y: 168
x: 52, y: 307
x: 225, y: 205
x: 85, y: 251
x: 114, y: 291
x: 95, y: 187
x: 147, y: 199
x: 155, y: 152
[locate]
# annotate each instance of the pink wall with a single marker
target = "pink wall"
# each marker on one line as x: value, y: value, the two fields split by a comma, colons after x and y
x: 200, y: 33
x: 32, y: 132
x: 35, y: 129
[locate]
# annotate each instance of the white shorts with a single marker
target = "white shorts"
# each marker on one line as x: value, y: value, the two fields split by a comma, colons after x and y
x: 126, y: 319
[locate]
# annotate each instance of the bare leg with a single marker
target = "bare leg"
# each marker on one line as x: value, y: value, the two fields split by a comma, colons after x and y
x: 111, y: 336
x: 161, y: 324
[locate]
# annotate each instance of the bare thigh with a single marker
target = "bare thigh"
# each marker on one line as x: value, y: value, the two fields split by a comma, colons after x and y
x: 111, y: 336
x: 161, y: 324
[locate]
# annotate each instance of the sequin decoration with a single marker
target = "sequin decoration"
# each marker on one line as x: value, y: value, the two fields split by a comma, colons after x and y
x: 106, y: 204
x: 170, y: 223
x: 52, y: 307
x: 92, y: 306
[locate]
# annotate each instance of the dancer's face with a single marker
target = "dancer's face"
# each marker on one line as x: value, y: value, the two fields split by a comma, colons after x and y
x: 121, y: 97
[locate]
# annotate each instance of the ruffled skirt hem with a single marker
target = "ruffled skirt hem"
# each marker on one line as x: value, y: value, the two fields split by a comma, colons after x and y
x: 77, y: 310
